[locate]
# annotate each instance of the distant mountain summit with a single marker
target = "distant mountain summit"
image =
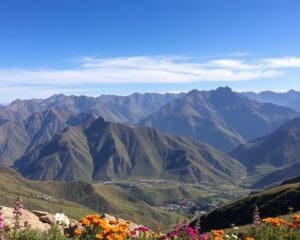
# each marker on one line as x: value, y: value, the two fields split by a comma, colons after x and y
x: 122, y: 109
x: 289, y: 99
x: 220, y: 117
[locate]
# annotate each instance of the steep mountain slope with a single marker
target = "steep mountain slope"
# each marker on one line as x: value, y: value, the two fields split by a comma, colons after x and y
x: 14, y: 141
x: 101, y: 150
x: 294, y: 123
x: 272, y: 202
x: 220, y: 117
x: 293, y: 180
x: 289, y: 99
x: 278, y: 149
x: 18, y: 138
x: 77, y: 199
x: 278, y: 152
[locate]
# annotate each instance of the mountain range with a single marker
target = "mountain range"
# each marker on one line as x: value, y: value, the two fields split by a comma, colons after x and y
x: 289, y: 99
x: 149, y: 135
x: 221, y: 117
x: 101, y: 150
x: 122, y: 109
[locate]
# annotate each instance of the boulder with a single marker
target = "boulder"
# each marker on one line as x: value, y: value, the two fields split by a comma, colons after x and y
x: 26, y: 218
x: 48, y: 218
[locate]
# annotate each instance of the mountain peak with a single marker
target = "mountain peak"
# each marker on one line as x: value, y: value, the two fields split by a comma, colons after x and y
x: 224, y: 90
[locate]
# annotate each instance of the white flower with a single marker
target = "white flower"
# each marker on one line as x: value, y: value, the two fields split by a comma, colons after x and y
x: 234, y: 236
x: 61, y: 218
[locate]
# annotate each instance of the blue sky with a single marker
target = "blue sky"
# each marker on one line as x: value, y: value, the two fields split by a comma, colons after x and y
x: 97, y: 47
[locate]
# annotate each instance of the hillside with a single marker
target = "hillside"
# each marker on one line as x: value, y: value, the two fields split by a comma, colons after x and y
x: 289, y: 99
x: 221, y: 117
x: 78, y: 198
x: 278, y: 149
x: 277, y: 153
x: 100, y: 150
x: 272, y: 202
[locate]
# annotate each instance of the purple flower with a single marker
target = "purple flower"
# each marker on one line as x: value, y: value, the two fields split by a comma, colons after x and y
x: 172, y: 234
x: 18, y: 211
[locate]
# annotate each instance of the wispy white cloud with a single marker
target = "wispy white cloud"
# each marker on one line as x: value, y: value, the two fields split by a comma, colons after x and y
x: 149, y: 69
x: 93, y: 72
x: 234, y: 64
x: 282, y: 62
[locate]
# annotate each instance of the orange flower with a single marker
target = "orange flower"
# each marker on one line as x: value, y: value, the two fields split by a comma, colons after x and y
x: 217, y: 234
x: 85, y: 222
x: 77, y: 232
x: 277, y: 222
x: 296, y: 218
x: 249, y: 238
x: 99, y: 236
x: 113, y: 222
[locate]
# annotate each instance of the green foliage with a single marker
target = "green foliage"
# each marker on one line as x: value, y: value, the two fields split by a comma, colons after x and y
x: 54, y: 233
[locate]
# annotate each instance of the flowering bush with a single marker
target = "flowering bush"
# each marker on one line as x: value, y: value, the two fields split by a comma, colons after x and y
x: 94, y: 227
x: 277, y: 229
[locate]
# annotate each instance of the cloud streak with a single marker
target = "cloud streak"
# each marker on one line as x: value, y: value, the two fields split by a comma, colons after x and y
x: 150, y: 69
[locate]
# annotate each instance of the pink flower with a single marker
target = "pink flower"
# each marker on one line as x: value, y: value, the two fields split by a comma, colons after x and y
x: 2, y: 224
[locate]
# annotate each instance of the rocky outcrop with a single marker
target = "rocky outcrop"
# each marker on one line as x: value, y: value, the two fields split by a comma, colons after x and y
x: 41, y: 220
x: 27, y: 217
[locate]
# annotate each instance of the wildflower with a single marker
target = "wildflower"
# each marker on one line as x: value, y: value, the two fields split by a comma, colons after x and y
x: 77, y: 232
x: 85, y: 222
x: 217, y: 234
x: 256, y: 218
x: 61, y: 218
x: 2, y: 224
x: 204, y: 236
x: 99, y: 236
x: 296, y: 218
x: 276, y: 222
x: 234, y: 236
x: 249, y: 238
x: 18, y: 212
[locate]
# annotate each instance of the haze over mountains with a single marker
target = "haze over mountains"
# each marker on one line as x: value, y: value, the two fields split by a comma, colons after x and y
x: 68, y: 138
x: 219, y: 117
x: 122, y: 109
x: 289, y: 99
